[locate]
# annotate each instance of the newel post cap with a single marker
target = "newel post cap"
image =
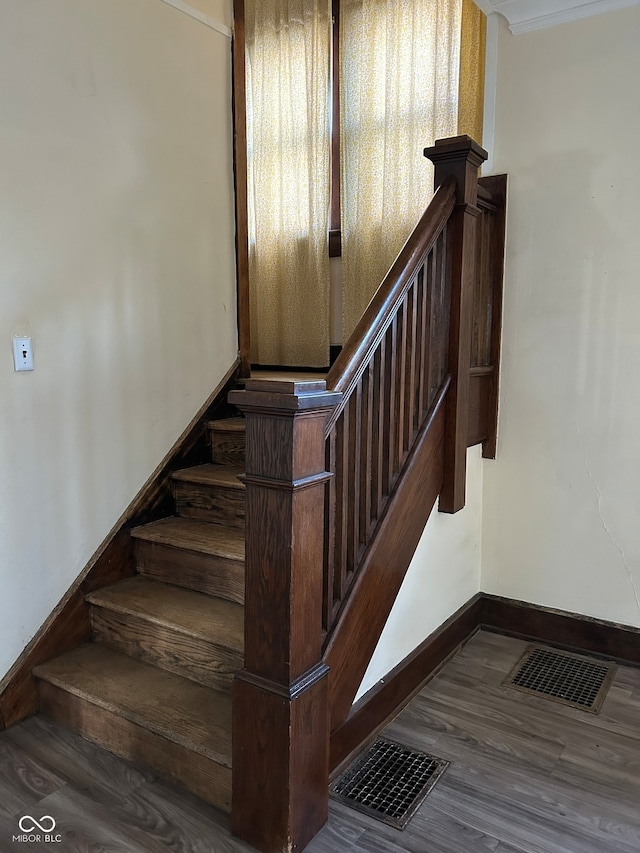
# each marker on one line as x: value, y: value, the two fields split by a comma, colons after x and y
x: 456, y: 148
x: 287, y: 395
x: 459, y: 157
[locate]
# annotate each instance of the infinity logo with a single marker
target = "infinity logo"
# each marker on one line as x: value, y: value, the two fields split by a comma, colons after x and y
x: 28, y: 823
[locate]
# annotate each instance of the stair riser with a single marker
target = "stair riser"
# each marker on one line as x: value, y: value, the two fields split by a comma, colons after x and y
x: 201, y: 775
x: 210, y: 503
x: 191, y: 657
x: 227, y: 448
x: 218, y: 576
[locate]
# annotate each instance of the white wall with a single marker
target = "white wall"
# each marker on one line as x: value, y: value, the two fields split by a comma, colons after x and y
x: 562, y: 502
x: 116, y: 255
x: 444, y: 574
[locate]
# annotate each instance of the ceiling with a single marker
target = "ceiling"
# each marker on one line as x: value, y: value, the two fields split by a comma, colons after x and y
x: 526, y: 15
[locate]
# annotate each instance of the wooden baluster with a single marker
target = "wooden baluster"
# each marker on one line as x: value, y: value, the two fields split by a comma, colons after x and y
x: 444, y: 308
x: 409, y: 368
x: 342, y: 505
x: 366, y: 455
x: 401, y: 356
x: 428, y: 329
x: 390, y: 402
x: 329, y: 531
x: 377, y: 456
x: 353, y: 509
x: 438, y: 332
x: 460, y: 157
x: 280, y: 702
x: 420, y: 351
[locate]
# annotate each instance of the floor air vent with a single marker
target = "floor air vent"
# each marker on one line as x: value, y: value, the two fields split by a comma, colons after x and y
x: 389, y: 781
x: 564, y: 677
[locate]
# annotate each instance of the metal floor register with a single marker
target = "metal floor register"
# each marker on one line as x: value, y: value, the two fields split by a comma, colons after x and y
x: 389, y: 781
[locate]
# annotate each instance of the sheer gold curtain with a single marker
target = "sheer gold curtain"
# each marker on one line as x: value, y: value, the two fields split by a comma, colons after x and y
x: 473, y: 41
x: 400, y: 71
x: 288, y: 52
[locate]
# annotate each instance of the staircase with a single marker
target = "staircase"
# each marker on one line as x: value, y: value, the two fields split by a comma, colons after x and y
x: 154, y: 685
x: 339, y: 480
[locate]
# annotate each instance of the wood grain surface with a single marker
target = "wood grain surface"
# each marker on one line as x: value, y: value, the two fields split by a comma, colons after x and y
x: 227, y: 439
x: 460, y: 157
x: 164, y: 721
x: 280, y: 719
x: 69, y: 624
x: 210, y: 493
x: 193, y: 554
x: 526, y: 776
x: 181, y: 631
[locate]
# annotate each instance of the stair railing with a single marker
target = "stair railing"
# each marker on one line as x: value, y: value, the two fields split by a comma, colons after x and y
x: 404, y: 376
x: 340, y: 480
x: 389, y: 374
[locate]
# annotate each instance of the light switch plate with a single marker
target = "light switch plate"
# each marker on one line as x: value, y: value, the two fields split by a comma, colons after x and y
x: 22, y: 354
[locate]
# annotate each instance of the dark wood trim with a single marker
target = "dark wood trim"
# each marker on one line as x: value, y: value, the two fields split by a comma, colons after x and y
x: 384, y: 565
x: 561, y: 628
x: 280, y: 706
x: 460, y: 158
x: 240, y: 182
x: 68, y: 625
x: 335, y: 243
x: 485, y: 198
x: 496, y: 185
x: 334, y: 352
x: 480, y: 387
x: 335, y: 236
x: 387, y: 698
x: 526, y: 621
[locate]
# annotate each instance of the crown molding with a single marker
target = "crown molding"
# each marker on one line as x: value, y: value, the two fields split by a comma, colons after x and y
x: 523, y: 16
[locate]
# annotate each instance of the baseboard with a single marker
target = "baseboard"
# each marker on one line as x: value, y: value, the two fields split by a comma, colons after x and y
x: 520, y: 619
x: 386, y: 698
x: 68, y: 625
x: 561, y: 628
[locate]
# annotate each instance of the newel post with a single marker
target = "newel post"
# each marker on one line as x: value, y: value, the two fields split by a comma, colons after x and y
x: 280, y: 700
x: 461, y: 158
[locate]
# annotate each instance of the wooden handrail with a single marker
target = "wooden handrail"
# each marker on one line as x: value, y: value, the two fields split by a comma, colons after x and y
x: 356, y: 353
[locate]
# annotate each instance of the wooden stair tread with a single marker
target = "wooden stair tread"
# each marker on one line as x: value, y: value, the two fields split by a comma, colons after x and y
x: 193, y: 613
x: 194, y: 535
x: 196, y: 717
x: 211, y: 475
x: 228, y: 425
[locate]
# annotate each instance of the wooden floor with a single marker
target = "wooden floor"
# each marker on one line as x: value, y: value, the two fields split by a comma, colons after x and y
x: 527, y: 775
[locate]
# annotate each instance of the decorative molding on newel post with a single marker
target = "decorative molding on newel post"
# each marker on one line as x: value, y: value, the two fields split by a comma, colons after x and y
x: 280, y: 699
